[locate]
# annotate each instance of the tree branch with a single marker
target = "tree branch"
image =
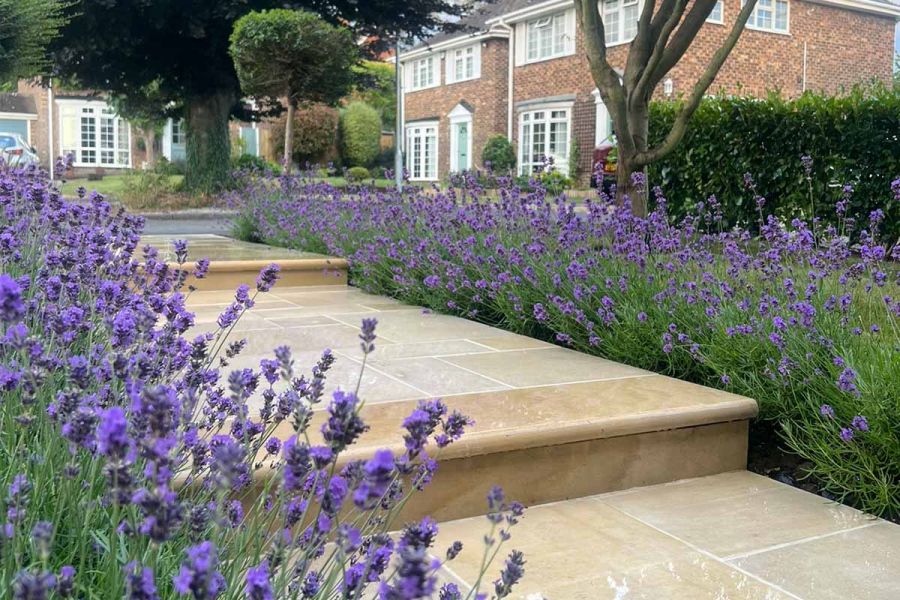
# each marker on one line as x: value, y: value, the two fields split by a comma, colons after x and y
x: 679, y: 127
x: 643, y: 88
x: 605, y: 77
x: 683, y: 38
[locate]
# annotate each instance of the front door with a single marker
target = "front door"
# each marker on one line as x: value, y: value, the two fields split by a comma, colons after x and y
x: 462, y: 146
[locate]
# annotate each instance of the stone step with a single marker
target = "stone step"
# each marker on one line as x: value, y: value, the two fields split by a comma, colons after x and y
x: 555, y: 442
x: 734, y: 536
x: 233, y: 262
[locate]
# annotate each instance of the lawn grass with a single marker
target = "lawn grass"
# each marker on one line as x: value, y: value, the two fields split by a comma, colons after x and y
x: 111, y: 186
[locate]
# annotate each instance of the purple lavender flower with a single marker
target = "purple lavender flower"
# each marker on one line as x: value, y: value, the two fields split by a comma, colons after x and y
x: 826, y: 411
x: 846, y: 434
x: 379, y: 473
x: 860, y: 423
x: 32, y: 586
x: 512, y: 573
x: 139, y: 583
x: 199, y: 576
x: 267, y: 278
x: 65, y: 581
x: 367, y: 335
x: 847, y: 381
x: 12, y: 308
x: 201, y: 269
x: 297, y: 463
x: 344, y: 425
x: 258, y: 586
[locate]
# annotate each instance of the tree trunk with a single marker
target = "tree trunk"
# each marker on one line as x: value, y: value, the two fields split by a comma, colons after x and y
x: 289, y: 139
x: 627, y: 192
x: 208, y: 142
x: 149, y: 135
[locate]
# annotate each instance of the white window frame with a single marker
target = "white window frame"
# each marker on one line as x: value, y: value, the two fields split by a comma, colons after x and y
x: 603, y: 130
x: 423, y: 74
x: 557, y: 24
x: 460, y: 115
x: 618, y: 30
x: 459, y: 61
x: 545, y: 116
x: 754, y: 20
x: 94, y: 113
x: 717, y: 15
x: 416, y: 148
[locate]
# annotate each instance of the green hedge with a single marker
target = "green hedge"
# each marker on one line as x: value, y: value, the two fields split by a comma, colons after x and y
x: 853, y: 139
x: 360, y: 134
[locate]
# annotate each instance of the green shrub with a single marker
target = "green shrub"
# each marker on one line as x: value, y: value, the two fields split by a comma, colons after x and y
x: 853, y: 139
x: 253, y: 164
x: 499, y: 153
x: 315, y: 134
x: 357, y: 173
x: 146, y: 189
x: 360, y: 134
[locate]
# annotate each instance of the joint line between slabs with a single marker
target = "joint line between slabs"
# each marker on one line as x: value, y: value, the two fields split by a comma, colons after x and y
x: 447, y: 362
x: 708, y: 554
x: 388, y: 375
x: 798, y: 542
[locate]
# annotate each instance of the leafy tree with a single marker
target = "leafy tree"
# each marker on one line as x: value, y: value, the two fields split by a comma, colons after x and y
x: 665, y: 30
x: 376, y: 86
x: 360, y: 134
x: 26, y: 27
x: 296, y: 55
x: 120, y: 45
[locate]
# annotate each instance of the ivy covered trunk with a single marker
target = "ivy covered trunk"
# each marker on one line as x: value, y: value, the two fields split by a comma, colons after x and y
x: 208, y: 143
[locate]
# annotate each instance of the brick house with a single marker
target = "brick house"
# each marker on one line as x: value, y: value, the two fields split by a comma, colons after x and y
x: 81, y: 122
x: 519, y: 69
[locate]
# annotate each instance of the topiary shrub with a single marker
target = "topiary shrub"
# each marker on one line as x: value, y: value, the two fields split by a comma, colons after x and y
x: 360, y: 129
x: 499, y: 154
x: 315, y: 134
x: 358, y: 173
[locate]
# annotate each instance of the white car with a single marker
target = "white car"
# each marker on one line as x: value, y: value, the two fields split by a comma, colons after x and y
x: 16, y: 151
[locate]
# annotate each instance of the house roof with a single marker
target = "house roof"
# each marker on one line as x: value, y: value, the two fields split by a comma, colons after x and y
x: 492, y: 13
x: 18, y: 104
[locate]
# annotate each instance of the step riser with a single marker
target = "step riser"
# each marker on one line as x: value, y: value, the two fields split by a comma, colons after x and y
x: 548, y: 474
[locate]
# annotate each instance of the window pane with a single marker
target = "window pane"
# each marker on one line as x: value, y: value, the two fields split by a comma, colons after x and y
x: 781, y: 16
x: 630, y: 17
x: 611, y: 21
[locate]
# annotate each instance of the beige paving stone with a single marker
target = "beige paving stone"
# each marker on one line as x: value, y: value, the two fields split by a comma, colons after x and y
x: 735, y: 513
x: 415, y: 326
x: 435, y: 376
x: 297, y: 321
x: 512, y: 342
x: 418, y: 349
x: 544, y: 366
x: 585, y: 550
x: 862, y: 564
x: 221, y: 248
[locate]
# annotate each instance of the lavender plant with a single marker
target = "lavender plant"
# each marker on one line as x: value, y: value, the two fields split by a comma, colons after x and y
x: 131, y: 464
x: 794, y: 315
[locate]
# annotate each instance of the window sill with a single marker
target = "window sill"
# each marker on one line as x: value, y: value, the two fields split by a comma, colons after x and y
x: 711, y: 22
x: 763, y: 30
x: 81, y: 165
x: 427, y: 87
x: 455, y: 81
x: 535, y: 61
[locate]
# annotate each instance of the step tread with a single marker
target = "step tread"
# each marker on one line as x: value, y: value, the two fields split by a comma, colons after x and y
x: 736, y: 535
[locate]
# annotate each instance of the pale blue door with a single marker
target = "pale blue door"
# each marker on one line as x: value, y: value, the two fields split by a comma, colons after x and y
x: 248, y: 134
x: 462, y: 145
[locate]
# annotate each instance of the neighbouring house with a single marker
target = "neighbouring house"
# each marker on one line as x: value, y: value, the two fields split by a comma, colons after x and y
x: 519, y: 69
x: 81, y: 122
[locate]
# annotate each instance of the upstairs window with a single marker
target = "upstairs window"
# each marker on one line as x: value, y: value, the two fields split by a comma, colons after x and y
x: 620, y: 20
x: 546, y: 37
x: 463, y: 64
x: 769, y: 15
x: 423, y: 73
x: 718, y: 13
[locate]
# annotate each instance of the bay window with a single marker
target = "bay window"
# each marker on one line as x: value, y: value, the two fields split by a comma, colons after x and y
x: 421, y: 151
x: 544, y: 140
x: 93, y: 132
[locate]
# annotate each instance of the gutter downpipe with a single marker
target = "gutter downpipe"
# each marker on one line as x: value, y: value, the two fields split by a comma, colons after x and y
x: 511, y: 59
x: 399, y: 133
x: 50, y: 159
x: 804, y: 67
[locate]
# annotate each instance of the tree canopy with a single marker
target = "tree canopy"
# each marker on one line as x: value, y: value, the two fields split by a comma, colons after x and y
x: 26, y: 27
x: 119, y: 45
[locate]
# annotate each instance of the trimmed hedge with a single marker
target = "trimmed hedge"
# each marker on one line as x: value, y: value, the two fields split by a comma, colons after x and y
x: 853, y: 139
x: 360, y: 134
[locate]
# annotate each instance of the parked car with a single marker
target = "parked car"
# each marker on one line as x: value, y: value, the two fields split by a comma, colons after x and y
x: 16, y: 151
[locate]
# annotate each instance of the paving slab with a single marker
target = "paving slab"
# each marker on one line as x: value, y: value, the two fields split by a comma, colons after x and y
x: 634, y: 544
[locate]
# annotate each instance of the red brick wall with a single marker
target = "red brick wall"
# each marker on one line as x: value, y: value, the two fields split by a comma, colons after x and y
x: 487, y: 95
x: 843, y: 48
